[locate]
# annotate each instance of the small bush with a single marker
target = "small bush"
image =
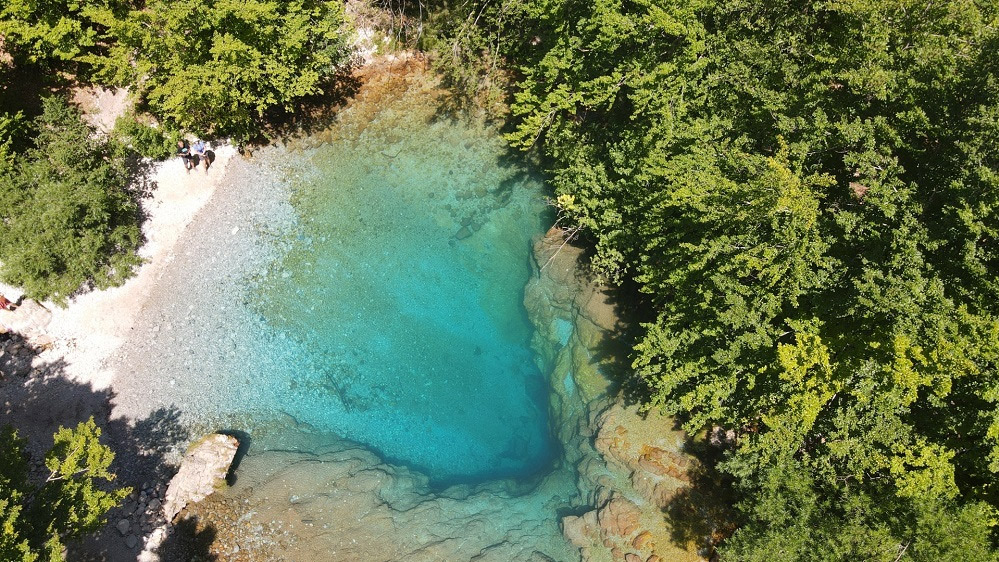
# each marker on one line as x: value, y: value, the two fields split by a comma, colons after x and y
x: 146, y: 140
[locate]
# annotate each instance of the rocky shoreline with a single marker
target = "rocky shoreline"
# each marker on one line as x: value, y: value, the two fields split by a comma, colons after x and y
x: 620, y: 470
x: 630, y: 463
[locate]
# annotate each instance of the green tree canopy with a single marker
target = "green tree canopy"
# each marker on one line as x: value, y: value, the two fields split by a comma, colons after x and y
x: 219, y: 67
x: 52, y: 31
x: 807, y: 194
x: 67, y: 218
x: 37, y: 518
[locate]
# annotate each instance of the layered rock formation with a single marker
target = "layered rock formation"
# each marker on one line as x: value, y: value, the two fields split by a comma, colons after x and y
x: 646, y: 470
x: 630, y: 463
x: 349, y: 505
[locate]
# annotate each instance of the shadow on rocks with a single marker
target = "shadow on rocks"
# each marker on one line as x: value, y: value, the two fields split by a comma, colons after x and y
x: 189, y: 541
x: 140, y: 173
x: 244, y: 440
x: 615, y: 352
x: 702, y: 513
x: 38, y: 403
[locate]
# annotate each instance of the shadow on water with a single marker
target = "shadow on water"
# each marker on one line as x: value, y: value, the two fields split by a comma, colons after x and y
x: 613, y: 354
x: 244, y: 440
x: 46, y: 399
x: 311, y: 114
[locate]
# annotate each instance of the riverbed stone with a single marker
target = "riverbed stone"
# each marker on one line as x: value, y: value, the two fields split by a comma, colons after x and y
x: 201, y: 472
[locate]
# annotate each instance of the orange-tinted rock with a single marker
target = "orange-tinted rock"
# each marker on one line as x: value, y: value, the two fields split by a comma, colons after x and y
x: 653, y: 558
x: 642, y: 540
x: 658, y: 490
x: 664, y: 463
x: 632, y: 557
x: 619, y: 517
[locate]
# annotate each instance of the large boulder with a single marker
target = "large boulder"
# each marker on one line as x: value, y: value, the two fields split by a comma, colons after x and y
x: 201, y: 472
x: 625, y: 531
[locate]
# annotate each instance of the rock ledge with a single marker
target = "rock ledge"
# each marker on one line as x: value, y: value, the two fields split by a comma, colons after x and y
x: 201, y: 472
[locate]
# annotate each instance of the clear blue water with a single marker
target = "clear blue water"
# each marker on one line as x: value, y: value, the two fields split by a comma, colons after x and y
x: 367, y: 284
x: 402, y: 294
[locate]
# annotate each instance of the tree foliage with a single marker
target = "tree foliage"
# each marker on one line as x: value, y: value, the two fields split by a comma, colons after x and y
x: 807, y: 194
x: 144, y: 139
x: 53, y: 31
x: 37, y: 518
x: 218, y: 68
x: 68, y: 219
x: 468, y: 40
x: 44, y: 29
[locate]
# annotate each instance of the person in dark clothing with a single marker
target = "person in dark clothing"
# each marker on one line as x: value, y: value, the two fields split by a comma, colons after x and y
x: 184, y: 151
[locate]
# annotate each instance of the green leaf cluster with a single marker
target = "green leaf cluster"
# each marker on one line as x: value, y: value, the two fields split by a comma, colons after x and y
x: 37, y: 518
x: 146, y: 140
x: 219, y: 67
x: 69, y: 220
x: 807, y: 192
x: 54, y: 31
x: 45, y: 29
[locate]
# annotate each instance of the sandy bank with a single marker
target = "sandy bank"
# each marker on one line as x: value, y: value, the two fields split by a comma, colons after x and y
x: 92, y: 327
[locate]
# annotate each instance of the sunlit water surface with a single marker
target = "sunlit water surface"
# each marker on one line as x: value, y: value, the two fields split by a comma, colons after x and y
x: 364, y: 283
x: 404, y: 290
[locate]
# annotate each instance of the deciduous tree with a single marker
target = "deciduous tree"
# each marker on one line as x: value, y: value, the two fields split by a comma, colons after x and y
x: 218, y: 68
x: 807, y: 194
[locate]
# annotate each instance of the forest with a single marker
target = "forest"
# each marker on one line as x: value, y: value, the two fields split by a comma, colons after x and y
x: 803, y: 195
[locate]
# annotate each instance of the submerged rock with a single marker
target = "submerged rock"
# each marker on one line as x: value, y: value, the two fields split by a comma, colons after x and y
x: 350, y: 505
x: 201, y: 472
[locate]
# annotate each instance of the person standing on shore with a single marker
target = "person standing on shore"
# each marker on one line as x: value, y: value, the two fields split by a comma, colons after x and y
x: 184, y: 151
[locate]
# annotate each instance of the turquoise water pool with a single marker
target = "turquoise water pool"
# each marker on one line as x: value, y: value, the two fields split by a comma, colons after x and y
x: 361, y: 290
x: 403, y: 292
x: 366, y: 283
